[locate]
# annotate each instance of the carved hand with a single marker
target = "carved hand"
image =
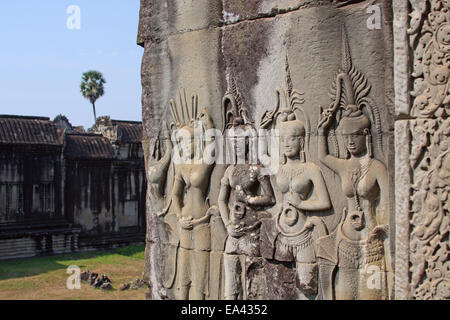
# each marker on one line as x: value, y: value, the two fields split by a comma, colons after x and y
x: 161, y: 214
x: 378, y: 231
x: 326, y: 117
x: 235, y: 231
x: 250, y: 200
x: 309, y: 225
x: 187, y: 223
x: 241, y: 194
x: 297, y: 206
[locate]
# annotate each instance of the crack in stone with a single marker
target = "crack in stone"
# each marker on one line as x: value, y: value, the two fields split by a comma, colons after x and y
x: 275, y: 12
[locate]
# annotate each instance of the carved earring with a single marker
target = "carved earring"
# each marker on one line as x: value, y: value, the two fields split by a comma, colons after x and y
x: 347, y: 153
x: 302, y: 150
x: 369, y: 142
x: 283, y: 159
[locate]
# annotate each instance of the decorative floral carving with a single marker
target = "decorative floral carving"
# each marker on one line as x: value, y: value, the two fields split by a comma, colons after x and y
x: 430, y: 38
x: 430, y: 220
x: 430, y: 160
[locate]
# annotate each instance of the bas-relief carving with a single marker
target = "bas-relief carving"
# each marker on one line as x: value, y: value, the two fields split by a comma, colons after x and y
x: 187, y: 215
x: 430, y: 222
x: 219, y: 251
x: 158, y: 165
x: 430, y: 161
x: 359, y: 247
x: 290, y: 235
x: 430, y: 38
x: 245, y: 191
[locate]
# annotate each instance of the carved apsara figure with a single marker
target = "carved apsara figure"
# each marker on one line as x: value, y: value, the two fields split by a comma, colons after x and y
x: 241, y: 204
x: 290, y: 237
x: 188, y: 212
x: 355, y: 260
x: 158, y: 166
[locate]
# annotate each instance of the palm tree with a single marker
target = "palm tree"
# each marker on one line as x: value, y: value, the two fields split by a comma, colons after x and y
x: 91, y: 87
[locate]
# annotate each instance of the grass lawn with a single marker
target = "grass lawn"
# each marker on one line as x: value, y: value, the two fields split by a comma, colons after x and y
x: 46, y: 277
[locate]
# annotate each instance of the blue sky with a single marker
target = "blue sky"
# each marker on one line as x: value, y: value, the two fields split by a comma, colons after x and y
x: 41, y: 60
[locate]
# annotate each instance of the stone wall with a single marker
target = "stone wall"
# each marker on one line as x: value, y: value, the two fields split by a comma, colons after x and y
x: 357, y: 207
x: 320, y: 216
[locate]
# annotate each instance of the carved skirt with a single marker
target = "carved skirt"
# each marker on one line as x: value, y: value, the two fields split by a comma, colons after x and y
x: 299, y: 248
x: 361, y: 273
x: 193, y: 257
x: 352, y: 269
x: 248, y: 245
x: 193, y: 269
x: 199, y: 238
x: 357, y: 254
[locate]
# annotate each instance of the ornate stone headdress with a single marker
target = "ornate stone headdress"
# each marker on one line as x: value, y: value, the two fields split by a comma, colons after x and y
x: 234, y: 112
x: 187, y: 116
x: 235, y: 117
x: 349, y: 93
x: 289, y: 108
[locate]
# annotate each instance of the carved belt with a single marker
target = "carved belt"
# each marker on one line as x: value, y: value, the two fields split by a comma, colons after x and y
x: 247, y: 244
x: 299, y: 242
x: 360, y: 253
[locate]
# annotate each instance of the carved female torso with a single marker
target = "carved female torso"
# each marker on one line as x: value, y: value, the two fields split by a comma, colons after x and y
x: 245, y: 206
x: 292, y: 182
x: 195, y: 178
x: 366, y: 180
x: 360, y: 184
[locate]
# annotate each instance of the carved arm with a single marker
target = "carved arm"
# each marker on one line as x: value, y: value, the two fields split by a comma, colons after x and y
x: 325, y: 119
x: 177, y: 192
x: 159, y: 169
x: 383, y: 184
x: 267, y: 198
x: 383, y: 219
x: 203, y: 219
x: 224, y: 196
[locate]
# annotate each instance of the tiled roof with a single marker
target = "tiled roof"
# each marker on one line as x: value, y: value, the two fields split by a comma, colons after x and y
x: 128, y: 131
x: 28, y: 130
x: 88, y: 146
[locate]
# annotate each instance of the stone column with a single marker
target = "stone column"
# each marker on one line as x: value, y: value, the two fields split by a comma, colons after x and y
x: 422, y: 164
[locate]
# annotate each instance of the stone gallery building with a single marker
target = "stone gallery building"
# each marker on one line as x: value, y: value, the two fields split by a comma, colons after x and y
x: 63, y: 190
x: 327, y: 123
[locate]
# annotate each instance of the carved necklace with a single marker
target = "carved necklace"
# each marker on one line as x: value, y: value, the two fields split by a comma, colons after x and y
x: 356, y: 176
x: 246, y: 175
x: 188, y: 177
x: 291, y: 172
